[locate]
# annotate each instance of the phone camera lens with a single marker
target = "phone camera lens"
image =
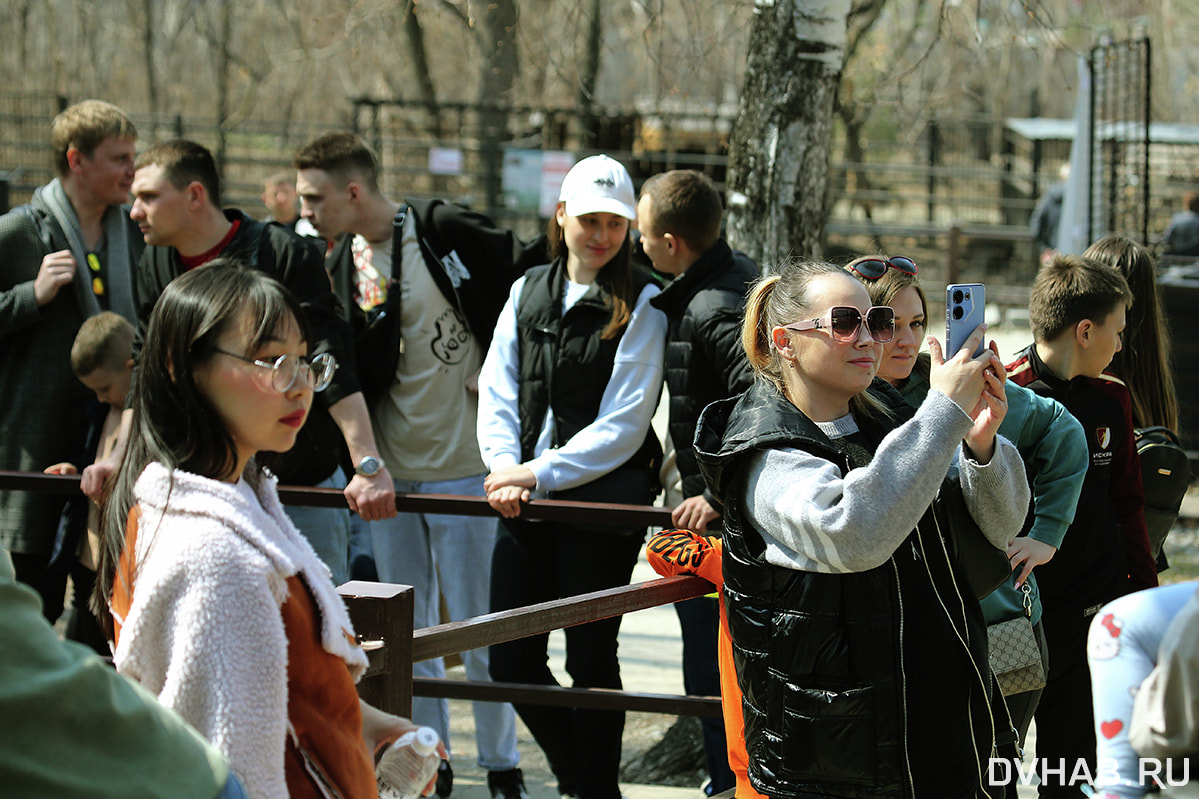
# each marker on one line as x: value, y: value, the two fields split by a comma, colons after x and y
x: 957, y: 312
x: 958, y: 296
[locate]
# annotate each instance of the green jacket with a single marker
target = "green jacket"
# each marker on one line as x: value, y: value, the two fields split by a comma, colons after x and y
x: 74, y: 728
x: 1054, y: 448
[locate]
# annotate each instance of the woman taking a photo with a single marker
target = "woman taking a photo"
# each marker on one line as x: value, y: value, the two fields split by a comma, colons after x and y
x: 1049, y: 438
x: 219, y: 605
x: 566, y: 394
x: 861, y: 653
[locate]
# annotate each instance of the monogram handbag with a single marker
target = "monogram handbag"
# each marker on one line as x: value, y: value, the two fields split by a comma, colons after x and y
x: 1014, y: 654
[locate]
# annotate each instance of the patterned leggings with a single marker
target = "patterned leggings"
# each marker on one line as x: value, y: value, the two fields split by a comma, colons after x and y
x: 1122, y: 649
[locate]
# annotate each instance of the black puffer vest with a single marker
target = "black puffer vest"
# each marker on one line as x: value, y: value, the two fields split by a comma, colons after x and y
x: 564, y: 364
x: 867, y: 684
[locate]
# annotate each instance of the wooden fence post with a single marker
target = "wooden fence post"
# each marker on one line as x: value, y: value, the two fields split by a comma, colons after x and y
x: 382, y: 618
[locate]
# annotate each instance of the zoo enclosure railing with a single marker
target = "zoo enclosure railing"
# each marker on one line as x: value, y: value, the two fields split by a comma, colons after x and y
x: 383, y: 613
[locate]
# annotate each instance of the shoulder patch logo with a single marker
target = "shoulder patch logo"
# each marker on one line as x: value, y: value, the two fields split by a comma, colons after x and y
x: 1103, y: 436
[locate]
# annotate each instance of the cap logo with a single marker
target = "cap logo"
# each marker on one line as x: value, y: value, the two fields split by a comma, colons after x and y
x: 609, y: 182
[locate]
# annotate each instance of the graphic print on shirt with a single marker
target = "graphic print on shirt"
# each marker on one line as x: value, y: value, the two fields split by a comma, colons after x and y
x: 451, y: 339
x: 1104, y: 641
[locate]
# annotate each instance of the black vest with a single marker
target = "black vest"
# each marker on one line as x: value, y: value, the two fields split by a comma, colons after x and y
x: 867, y: 684
x: 564, y: 363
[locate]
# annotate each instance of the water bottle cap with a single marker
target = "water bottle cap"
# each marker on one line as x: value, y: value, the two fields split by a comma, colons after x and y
x: 424, y: 742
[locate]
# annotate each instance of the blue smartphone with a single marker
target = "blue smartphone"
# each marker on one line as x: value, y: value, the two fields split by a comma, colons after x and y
x: 965, y: 309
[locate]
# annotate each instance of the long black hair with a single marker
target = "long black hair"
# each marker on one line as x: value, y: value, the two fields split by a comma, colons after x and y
x: 173, y: 422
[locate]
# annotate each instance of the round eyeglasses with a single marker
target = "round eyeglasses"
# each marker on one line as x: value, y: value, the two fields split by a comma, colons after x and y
x: 286, y: 370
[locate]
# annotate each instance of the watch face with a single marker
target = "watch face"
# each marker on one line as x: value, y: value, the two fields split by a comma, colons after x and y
x: 369, y: 466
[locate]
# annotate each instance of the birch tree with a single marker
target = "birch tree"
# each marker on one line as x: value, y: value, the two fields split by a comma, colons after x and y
x: 779, y: 149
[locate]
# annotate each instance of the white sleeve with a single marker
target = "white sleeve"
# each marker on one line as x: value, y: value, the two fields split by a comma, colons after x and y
x: 498, y: 425
x: 625, y: 411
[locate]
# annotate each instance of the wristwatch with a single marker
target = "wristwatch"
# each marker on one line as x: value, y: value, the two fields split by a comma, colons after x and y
x: 369, y: 466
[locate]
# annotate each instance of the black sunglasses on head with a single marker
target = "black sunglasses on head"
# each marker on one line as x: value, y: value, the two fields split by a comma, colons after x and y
x: 874, y: 268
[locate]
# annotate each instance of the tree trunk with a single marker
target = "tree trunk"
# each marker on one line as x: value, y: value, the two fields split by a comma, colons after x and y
x: 420, y: 65
x: 589, y: 75
x: 779, y: 150
x: 148, y: 56
x: 497, y: 35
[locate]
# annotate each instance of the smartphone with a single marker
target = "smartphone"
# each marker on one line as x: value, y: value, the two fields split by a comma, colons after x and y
x: 965, y: 309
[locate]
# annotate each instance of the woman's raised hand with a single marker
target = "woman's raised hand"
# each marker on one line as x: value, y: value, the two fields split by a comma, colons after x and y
x: 976, y: 385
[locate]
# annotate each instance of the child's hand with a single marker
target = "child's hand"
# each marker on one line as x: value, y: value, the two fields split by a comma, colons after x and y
x: 96, y: 476
x: 1028, y: 553
x: 61, y: 468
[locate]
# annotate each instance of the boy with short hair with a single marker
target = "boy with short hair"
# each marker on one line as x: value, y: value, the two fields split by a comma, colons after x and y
x: 102, y: 359
x: 1077, y: 312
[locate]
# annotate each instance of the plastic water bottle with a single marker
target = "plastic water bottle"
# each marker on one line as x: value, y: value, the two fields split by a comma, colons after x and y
x: 409, y: 764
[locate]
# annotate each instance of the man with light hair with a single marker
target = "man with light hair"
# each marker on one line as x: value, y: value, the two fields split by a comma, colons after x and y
x: 68, y: 255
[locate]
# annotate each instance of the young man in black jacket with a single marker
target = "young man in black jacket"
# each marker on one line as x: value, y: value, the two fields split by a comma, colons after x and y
x: 678, y: 216
x: 423, y: 283
x: 177, y: 208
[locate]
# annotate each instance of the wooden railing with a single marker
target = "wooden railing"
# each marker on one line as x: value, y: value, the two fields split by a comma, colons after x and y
x: 383, y: 614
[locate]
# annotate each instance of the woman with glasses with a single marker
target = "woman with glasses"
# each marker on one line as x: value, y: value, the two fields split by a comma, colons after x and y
x: 1051, y: 440
x: 217, y: 604
x: 861, y: 654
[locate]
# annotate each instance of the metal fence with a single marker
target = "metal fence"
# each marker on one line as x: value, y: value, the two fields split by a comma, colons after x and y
x: 903, y: 196
x: 1120, y: 140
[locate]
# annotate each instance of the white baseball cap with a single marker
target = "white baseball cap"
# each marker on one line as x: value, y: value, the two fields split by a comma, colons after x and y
x: 599, y: 184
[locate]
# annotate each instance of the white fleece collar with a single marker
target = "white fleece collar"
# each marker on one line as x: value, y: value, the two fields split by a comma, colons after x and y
x: 266, y: 527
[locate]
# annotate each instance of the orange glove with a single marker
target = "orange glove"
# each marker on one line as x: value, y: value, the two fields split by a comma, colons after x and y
x: 672, y: 552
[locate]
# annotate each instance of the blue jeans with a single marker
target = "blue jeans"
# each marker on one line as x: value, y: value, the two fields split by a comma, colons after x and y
x: 451, y: 555
x: 327, y: 529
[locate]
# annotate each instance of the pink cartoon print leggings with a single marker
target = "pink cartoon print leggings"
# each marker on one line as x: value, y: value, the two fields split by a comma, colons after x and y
x: 1122, y: 649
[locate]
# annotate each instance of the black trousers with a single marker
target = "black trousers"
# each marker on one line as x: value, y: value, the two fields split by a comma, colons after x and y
x: 538, y: 562
x: 1065, y: 715
x: 51, y: 586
